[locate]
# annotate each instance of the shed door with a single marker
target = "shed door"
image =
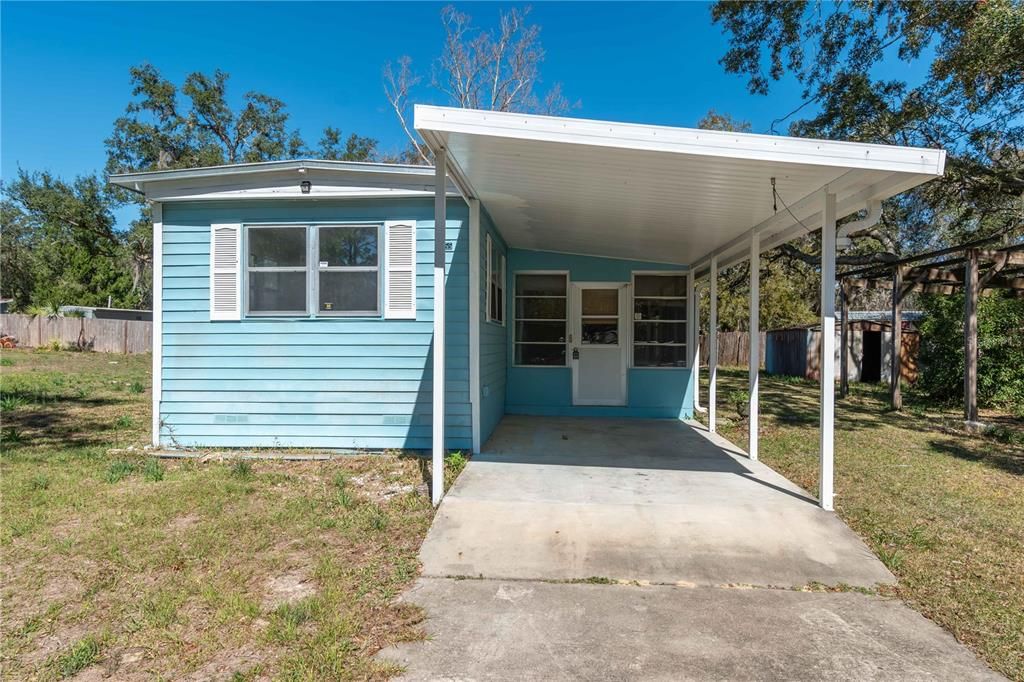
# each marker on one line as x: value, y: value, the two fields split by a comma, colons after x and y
x: 598, y: 344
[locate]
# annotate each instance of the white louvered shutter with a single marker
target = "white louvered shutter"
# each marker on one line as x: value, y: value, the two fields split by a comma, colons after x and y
x: 400, y: 270
x: 226, y: 271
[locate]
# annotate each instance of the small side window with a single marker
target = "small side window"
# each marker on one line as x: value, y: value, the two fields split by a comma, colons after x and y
x: 495, y: 283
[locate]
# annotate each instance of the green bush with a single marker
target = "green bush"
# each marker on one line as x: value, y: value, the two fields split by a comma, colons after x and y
x: 1000, y: 349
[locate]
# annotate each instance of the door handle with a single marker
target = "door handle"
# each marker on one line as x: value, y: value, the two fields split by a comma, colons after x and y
x: 575, y: 353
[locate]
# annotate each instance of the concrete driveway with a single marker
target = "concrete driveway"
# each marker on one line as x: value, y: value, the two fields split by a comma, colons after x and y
x: 650, y: 549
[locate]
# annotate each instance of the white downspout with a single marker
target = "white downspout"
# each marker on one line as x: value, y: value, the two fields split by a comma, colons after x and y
x: 874, y: 208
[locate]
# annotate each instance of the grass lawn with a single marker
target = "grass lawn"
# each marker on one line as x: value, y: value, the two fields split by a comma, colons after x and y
x: 942, y: 508
x: 124, y: 565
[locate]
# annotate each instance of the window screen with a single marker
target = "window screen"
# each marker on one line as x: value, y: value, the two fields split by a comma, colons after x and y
x: 541, y: 305
x: 659, y: 321
x: 276, y: 265
x: 349, y: 269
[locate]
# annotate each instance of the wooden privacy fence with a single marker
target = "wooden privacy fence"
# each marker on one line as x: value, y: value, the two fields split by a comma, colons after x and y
x: 107, y: 336
x: 733, y: 349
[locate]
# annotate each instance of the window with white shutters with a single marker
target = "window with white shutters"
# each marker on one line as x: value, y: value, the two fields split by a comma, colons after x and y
x: 400, y: 277
x: 313, y: 270
x: 225, y: 271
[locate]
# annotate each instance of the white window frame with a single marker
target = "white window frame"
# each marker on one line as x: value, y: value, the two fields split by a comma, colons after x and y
x: 379, y: 269
x: 498, y: 281
x: 247, y: 243
x: 313, y: 270
x: 516, y: 319
x: 632, y: 318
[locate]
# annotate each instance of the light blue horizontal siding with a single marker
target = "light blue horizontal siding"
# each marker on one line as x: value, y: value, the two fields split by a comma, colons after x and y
x: 651, y: 392
x: 493, y: 339
x: 335, y: 441
x: 309, y: 382
x: 201, y: 409
x: 398, y: 363
x: 309, y: 397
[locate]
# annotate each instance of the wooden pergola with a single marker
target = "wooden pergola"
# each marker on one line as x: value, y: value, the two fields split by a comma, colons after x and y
x: 970, y: 267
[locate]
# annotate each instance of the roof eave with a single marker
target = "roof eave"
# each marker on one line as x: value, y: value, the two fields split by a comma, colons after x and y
x: 268, y: 167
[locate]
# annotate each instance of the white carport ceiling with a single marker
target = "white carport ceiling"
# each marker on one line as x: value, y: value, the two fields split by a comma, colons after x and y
x: 655, y: 193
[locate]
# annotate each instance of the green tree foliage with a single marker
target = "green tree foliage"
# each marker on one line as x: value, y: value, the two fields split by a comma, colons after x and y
x: 1000, y: 349
x: 788, y: 294
x: 970, y: 100
x: 335, y: 147
x: 165, y: 127
x: 60, y: 240
x: 60, y: 245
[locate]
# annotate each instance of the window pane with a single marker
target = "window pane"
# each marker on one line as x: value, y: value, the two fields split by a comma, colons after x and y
x: 531, y: 354
x: 600, y: 302
x: 540, y: 308
x: 348, y: 291
x: 497, y: 295
x: 660, y: 285
x: 348, y: 246
x: 659, y: 309
x: 277, y: 292
x: 659, y: 356
x: 659, y: 332
x: 600, y: 332
x: 540, y: 331
x: 277, y: 247
x: 540, y: 285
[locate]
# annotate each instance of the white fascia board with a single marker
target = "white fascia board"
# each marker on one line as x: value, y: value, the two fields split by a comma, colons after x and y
x: 691, y: 141
x: 436, y: 142
x: 261, y: 180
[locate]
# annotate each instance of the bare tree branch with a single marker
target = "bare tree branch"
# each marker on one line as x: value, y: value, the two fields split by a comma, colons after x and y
x: 495, y: 69
x: 396, y: 89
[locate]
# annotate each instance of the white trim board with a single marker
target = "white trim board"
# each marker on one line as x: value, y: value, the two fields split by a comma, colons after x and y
x: 693, y: 141
x: 158, y: 317
x: 474, y: 319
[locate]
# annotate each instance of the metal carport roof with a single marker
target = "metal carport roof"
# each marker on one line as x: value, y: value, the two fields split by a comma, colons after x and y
x: 654, y: 192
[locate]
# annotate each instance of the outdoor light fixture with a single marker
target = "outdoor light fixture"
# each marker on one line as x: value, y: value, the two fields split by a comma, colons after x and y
x: 306, y: 185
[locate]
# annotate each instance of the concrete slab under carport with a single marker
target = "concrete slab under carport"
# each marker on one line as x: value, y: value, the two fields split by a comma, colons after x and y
x: 659, y: 501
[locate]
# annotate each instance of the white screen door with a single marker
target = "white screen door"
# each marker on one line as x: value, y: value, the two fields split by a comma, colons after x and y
x: 598, y: 344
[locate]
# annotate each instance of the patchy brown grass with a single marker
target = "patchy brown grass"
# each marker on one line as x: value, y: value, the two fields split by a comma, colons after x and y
x: 118, y: 564
x: 943, y: 508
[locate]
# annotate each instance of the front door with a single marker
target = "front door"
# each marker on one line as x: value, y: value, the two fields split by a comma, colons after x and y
x: 598, y: 344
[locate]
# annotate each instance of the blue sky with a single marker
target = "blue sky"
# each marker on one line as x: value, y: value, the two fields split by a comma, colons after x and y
x: 65, y: 66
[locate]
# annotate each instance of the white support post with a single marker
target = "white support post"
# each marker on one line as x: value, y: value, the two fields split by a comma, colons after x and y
x: 695, y: 338
x: 158, y: 316
x: 828, y: 349
x: 713, y: 345
x: 754, y: 362
x: 440, y: 223
x: 691, y: 344
x: 474, y: 320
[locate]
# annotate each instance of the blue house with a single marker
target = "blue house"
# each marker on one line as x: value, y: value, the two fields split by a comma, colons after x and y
x: 315, y: 303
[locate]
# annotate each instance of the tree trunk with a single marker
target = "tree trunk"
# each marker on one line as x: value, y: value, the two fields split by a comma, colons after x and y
x: 971, y: 336
x: 896, y: 359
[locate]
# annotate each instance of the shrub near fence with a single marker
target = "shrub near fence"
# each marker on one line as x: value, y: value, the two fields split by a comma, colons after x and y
x: 106, y: 336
